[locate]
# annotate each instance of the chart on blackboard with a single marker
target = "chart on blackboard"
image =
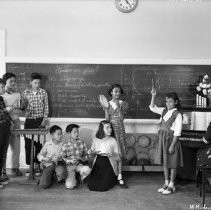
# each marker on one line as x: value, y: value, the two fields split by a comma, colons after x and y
x: 74, y: 88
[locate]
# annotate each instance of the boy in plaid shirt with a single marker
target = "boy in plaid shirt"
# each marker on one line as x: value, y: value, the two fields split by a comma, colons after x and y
x: 35, y: 102
x: 74, y: 153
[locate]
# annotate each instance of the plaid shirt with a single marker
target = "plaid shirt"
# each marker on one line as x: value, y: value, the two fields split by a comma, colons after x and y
x: 37, y: 103
x: 74, y: 152
x: 4, y: 116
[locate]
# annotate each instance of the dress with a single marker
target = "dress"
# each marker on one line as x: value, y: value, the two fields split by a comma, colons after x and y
x: 116, y: 115
x: 165, y: 135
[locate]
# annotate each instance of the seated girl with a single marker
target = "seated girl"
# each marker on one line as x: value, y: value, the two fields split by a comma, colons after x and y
x: 104, y: 172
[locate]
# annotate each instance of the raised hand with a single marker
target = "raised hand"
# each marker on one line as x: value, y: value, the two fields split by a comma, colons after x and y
x: 153, y: 92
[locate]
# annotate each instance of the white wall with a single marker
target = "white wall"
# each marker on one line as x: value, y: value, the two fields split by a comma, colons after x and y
x: 2, y: 52
x: 96, y: 29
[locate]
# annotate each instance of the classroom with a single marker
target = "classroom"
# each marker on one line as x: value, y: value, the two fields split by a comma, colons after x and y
x: 105, y: 104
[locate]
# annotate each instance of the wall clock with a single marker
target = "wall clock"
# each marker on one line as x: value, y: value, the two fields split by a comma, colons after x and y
x: 126, y: 5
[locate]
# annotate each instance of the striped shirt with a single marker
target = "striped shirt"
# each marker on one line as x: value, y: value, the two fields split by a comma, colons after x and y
x: 37, y: 103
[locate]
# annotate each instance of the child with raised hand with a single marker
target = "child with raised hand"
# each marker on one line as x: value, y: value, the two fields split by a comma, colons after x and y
x: 105, y: 167
x: 114, y: 113
x: 51, y: 159
x: 75, y: 155
x: 168, y: 151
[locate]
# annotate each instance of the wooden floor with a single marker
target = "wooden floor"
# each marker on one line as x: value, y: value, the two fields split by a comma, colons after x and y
x: 142, y: 194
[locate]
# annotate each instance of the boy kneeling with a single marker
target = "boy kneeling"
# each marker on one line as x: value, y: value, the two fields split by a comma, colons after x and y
x: 74, y: 153
x: 51, y: 159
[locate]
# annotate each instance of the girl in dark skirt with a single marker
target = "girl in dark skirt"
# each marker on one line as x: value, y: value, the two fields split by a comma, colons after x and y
x: 168, y: 152
x: 104, y: 172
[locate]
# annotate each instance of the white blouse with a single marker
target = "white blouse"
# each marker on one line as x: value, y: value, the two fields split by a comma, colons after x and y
x: 109, y: 146
x: 177, y: 124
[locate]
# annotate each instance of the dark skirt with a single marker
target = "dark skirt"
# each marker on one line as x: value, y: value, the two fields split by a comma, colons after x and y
x: 162, y: 156
x: 102, y: 177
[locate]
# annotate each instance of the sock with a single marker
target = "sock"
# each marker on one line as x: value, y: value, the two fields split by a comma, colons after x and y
x: 171, y: 184
x: 119, y: 176
x: 166, y: 182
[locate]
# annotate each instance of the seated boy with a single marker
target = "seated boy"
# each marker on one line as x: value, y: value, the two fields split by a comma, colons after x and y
x: 50, y: 158
x: 74, y: 153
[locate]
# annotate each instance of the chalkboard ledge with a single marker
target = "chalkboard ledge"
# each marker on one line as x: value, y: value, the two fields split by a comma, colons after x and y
x: 97, y: 120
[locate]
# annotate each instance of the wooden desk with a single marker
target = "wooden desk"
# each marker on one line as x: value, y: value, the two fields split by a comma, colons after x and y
x: 34, y: 135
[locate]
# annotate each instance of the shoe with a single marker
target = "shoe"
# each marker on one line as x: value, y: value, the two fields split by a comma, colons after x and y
x: 160, y: 190
x: 3, y: 181
x: 38, y: 171
x: 4, y: 176
x: 27, y: 173
x: 169, y: 190
x: 122, y: 184
x: 38, y: 183
x: 16, y: 172
x: 85, y: 180
x: 61, y: 181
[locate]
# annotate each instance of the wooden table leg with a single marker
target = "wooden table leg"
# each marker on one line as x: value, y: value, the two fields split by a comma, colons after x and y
x: 203, y: 188
x: 31, y: 177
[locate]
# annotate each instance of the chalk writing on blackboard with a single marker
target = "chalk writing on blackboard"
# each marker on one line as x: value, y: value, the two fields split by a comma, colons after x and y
x: 74, y: 88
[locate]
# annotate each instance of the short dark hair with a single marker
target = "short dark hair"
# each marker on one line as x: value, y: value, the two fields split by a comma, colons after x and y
x: 175, y: 97
x: 115, y: 86
x: 35, y: 75
x: 54, y: 128
x: 100, y: 133
x: 8, y: 76
x: 2, y: 81
x: 70, y: 127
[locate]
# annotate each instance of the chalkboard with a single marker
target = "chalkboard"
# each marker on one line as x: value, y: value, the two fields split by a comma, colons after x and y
x: 74, y: 88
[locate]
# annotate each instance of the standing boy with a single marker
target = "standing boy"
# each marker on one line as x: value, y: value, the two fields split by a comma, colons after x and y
x: 12, y: 99
x: 5, y: 123
x: 35, y: 100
